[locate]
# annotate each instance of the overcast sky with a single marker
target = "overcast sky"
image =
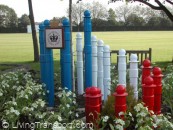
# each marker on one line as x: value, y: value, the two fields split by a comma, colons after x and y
x: 44, y: 9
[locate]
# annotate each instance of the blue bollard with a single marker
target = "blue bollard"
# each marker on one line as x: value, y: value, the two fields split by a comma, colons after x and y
x: 66, y: 57
x: 87, y: 48
x: 46, y: 64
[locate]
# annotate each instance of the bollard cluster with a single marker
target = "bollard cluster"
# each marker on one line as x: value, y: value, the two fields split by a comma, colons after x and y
x: 151, y: 87
x: 93, y: 103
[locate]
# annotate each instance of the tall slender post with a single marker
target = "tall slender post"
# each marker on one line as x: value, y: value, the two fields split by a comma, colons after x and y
x: 87, y: 49
x: 133, y: 74
x: 106, y: 72
x: 67, y: 71
x: 94, y: 60
x: 79, y: 50
x: 46, y: 64
x: 100, y: 67
x: 122, y: 67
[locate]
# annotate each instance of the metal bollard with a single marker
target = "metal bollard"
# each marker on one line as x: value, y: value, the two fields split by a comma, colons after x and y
x: 106, y: 72
x: 122, y: 67
x: 79, y: 50
x: 133, y: 74
x: 120, y: 100
x: 148, y: 92
x: 146, y: 69
x: 157, y: 77
x: 94, y: 60
x: 92, y: 104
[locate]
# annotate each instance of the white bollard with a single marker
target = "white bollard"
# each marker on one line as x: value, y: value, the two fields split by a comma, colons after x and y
x: 106, y: 72
x: 100, y: 66
x: 94, y: 60
x: 79, y: 50
x: 122, y: 67
x: 133, y: 74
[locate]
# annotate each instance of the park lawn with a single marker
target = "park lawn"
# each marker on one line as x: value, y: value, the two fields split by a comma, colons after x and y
x: 18, y: 48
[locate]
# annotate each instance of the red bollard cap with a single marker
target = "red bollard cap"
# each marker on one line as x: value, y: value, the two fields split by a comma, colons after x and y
x: 146, y: 63
x: 95, y: 91
x: 157, y: 72
x: 149, y: 82
x: 120, y: 91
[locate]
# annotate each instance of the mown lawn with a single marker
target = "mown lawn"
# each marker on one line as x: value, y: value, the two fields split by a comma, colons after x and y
x: 18, y: 48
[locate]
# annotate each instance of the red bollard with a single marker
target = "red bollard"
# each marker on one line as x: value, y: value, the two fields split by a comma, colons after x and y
x: 120, y: 100
x: 146, y: 69
x: 157, y: 77
x: 92, y: 104
x: 148, y: 93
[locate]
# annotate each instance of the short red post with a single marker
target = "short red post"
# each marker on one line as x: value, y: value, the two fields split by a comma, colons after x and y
x: 92, y: 103
x: 157, y: 77
x: 148, y: 93
x: 120, y: 100
x: 146, y: 69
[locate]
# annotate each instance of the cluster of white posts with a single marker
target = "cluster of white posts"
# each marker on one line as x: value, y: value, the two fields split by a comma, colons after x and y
x: 101, y: 67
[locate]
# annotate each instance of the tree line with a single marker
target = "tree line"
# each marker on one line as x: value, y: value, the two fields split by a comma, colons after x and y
x: 124, y: 16
x: 9, y: 22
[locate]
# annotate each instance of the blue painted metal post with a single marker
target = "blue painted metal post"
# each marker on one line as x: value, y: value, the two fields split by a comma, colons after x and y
x: 61, y: 64
x: 46, y: 64
x: 66, y: 57
x: 87, y: 49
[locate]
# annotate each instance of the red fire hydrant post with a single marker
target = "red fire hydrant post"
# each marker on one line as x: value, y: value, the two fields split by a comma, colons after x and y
x: 157, y: 77
x: 146, y: 69
x: 148, y: 92
x: 120, y: 100
x: 92, y: 104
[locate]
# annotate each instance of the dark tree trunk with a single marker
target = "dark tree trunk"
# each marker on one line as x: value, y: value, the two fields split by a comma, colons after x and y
x: 34, y: 35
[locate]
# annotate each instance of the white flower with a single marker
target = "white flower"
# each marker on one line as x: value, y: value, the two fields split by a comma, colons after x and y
x: 74, y: 102
x: 77, y: 115
x: 105, y: 119
x: 121, y: 113
x: 119, y: 127
x: 70, y: 112
x: 17, y: 112
x: 68, y: 93
x: 42, y: 103
x: 120, y: 121
x: 68, y: 105
x: 59, y: 118
x: 26, y: 96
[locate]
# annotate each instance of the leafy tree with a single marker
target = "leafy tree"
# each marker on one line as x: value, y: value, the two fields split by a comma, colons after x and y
x: 8, y: 17
x: 111, y: 17
x: 155, y: 4
x: 23, y: 21
x: 34, y: 36
x: 134, y: 20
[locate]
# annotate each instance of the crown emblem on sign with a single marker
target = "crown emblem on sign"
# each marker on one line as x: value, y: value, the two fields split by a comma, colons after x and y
x: 53, y: 38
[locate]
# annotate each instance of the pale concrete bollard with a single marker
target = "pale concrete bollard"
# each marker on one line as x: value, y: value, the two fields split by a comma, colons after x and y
x: 79, y: 50
x: 122, y: 67
x: 106, y: 72
x: 100, y: 66
x: 133, y: 74
x: 94, y: 60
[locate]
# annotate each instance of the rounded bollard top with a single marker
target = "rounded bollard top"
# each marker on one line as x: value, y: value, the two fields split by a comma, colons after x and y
x: 41, y: 26
x: 100, y: 42
x: 148, y: 80
x: 106, y: 48
x: 65, y: 22
x: 146, y: 63
x: 133, y: 57
x: 93, y: 38
x: 95, y: 91
x: 120, y: 89
x: 87, y: 91
x: 157, y: 71
x: 122, y: 52
x: 46, y: 22
x: 79, y: 35
x: 87, y: 13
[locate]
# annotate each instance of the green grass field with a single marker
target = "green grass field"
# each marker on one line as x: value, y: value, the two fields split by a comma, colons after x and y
x: 18, y: 48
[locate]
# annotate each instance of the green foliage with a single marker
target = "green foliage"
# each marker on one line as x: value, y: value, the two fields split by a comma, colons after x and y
x: 167, y: 89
